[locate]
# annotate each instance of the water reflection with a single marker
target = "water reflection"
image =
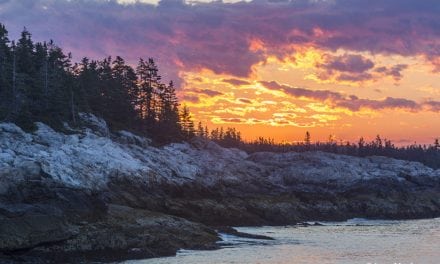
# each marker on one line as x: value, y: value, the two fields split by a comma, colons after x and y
x: 354, y: 241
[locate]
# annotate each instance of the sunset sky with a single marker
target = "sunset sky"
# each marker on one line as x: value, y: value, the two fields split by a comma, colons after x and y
x: 346, y: 68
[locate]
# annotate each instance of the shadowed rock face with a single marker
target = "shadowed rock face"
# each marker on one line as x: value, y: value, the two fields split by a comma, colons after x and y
x: 125, y: 233
x: 98, y: 196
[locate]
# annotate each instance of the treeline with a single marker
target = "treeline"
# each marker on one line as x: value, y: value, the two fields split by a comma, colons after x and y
x: 39, y: 82
x: 426, y: 154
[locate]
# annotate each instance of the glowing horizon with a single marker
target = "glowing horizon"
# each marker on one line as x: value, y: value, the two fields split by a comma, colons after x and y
x: 269, y: 68
x: 254, y: 108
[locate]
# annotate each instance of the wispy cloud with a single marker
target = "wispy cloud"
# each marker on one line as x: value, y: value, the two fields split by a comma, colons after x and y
x: 236, y: 82
x: 245, y: 100
x: 394, y: 71
x: 191, y: 98
x: 208, y: 92
x: 352, y: 102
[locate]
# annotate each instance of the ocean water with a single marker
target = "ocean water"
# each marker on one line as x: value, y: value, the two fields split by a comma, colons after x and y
x: 353, y: 241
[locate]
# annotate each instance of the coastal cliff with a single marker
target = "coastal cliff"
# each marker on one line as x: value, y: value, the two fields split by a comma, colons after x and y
x: 89, y: 194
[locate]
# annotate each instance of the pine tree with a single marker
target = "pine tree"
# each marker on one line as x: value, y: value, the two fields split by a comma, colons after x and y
x: 191, y: 130
x: 148, y: 83
x: 206, y: 132
x: 200, y: 130
x: 41, y: 79
x: 14, y: 96
x: 105, y: 86
x: 25, y: 91
x: 87, y: 79
x: 307, y: 140
x: 39, y: 83
x: 119, y: 94
x: 5, y: 74
x: 215, y: 134
x: 60, y: 86
x: 167, y: 110
x: 187, y: 123
x: 378, y: 142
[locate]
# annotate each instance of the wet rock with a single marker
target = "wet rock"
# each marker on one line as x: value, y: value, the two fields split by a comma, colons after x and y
x: 307, y: 224
x: 232, y: 231
x: 127, y: 233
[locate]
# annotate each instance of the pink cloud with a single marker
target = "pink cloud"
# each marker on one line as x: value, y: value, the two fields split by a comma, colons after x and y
x: 218, y: 36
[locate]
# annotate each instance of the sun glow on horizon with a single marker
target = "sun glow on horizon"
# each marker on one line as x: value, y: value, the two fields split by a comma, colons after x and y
x: 317, y: 92
x: 269, y: 68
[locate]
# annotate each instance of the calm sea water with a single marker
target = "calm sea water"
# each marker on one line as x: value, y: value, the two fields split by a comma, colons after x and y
x: 354, y: 241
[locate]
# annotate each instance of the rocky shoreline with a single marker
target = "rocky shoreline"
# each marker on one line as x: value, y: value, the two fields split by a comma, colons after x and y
x: 90, y: 195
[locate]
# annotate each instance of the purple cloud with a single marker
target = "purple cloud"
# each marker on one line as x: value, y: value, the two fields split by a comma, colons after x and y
x: 352, y: 102
x: 218, y: 36
x: 355, y: 104
x: 346, y: 63
x: 347, y: 67
x: 356, y: 68
x: 320, y: 95
x: 433, y: 105
x: 208, y: 92
x: 395, y: 71
x: 236, y: 82
x: 354, y: 77
x: 191, y: 98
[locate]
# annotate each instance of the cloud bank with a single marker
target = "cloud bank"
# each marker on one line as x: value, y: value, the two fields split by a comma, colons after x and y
x: 230, y: 38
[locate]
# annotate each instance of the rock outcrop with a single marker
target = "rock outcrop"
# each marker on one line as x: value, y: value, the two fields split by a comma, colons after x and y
x: 91, y: 195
